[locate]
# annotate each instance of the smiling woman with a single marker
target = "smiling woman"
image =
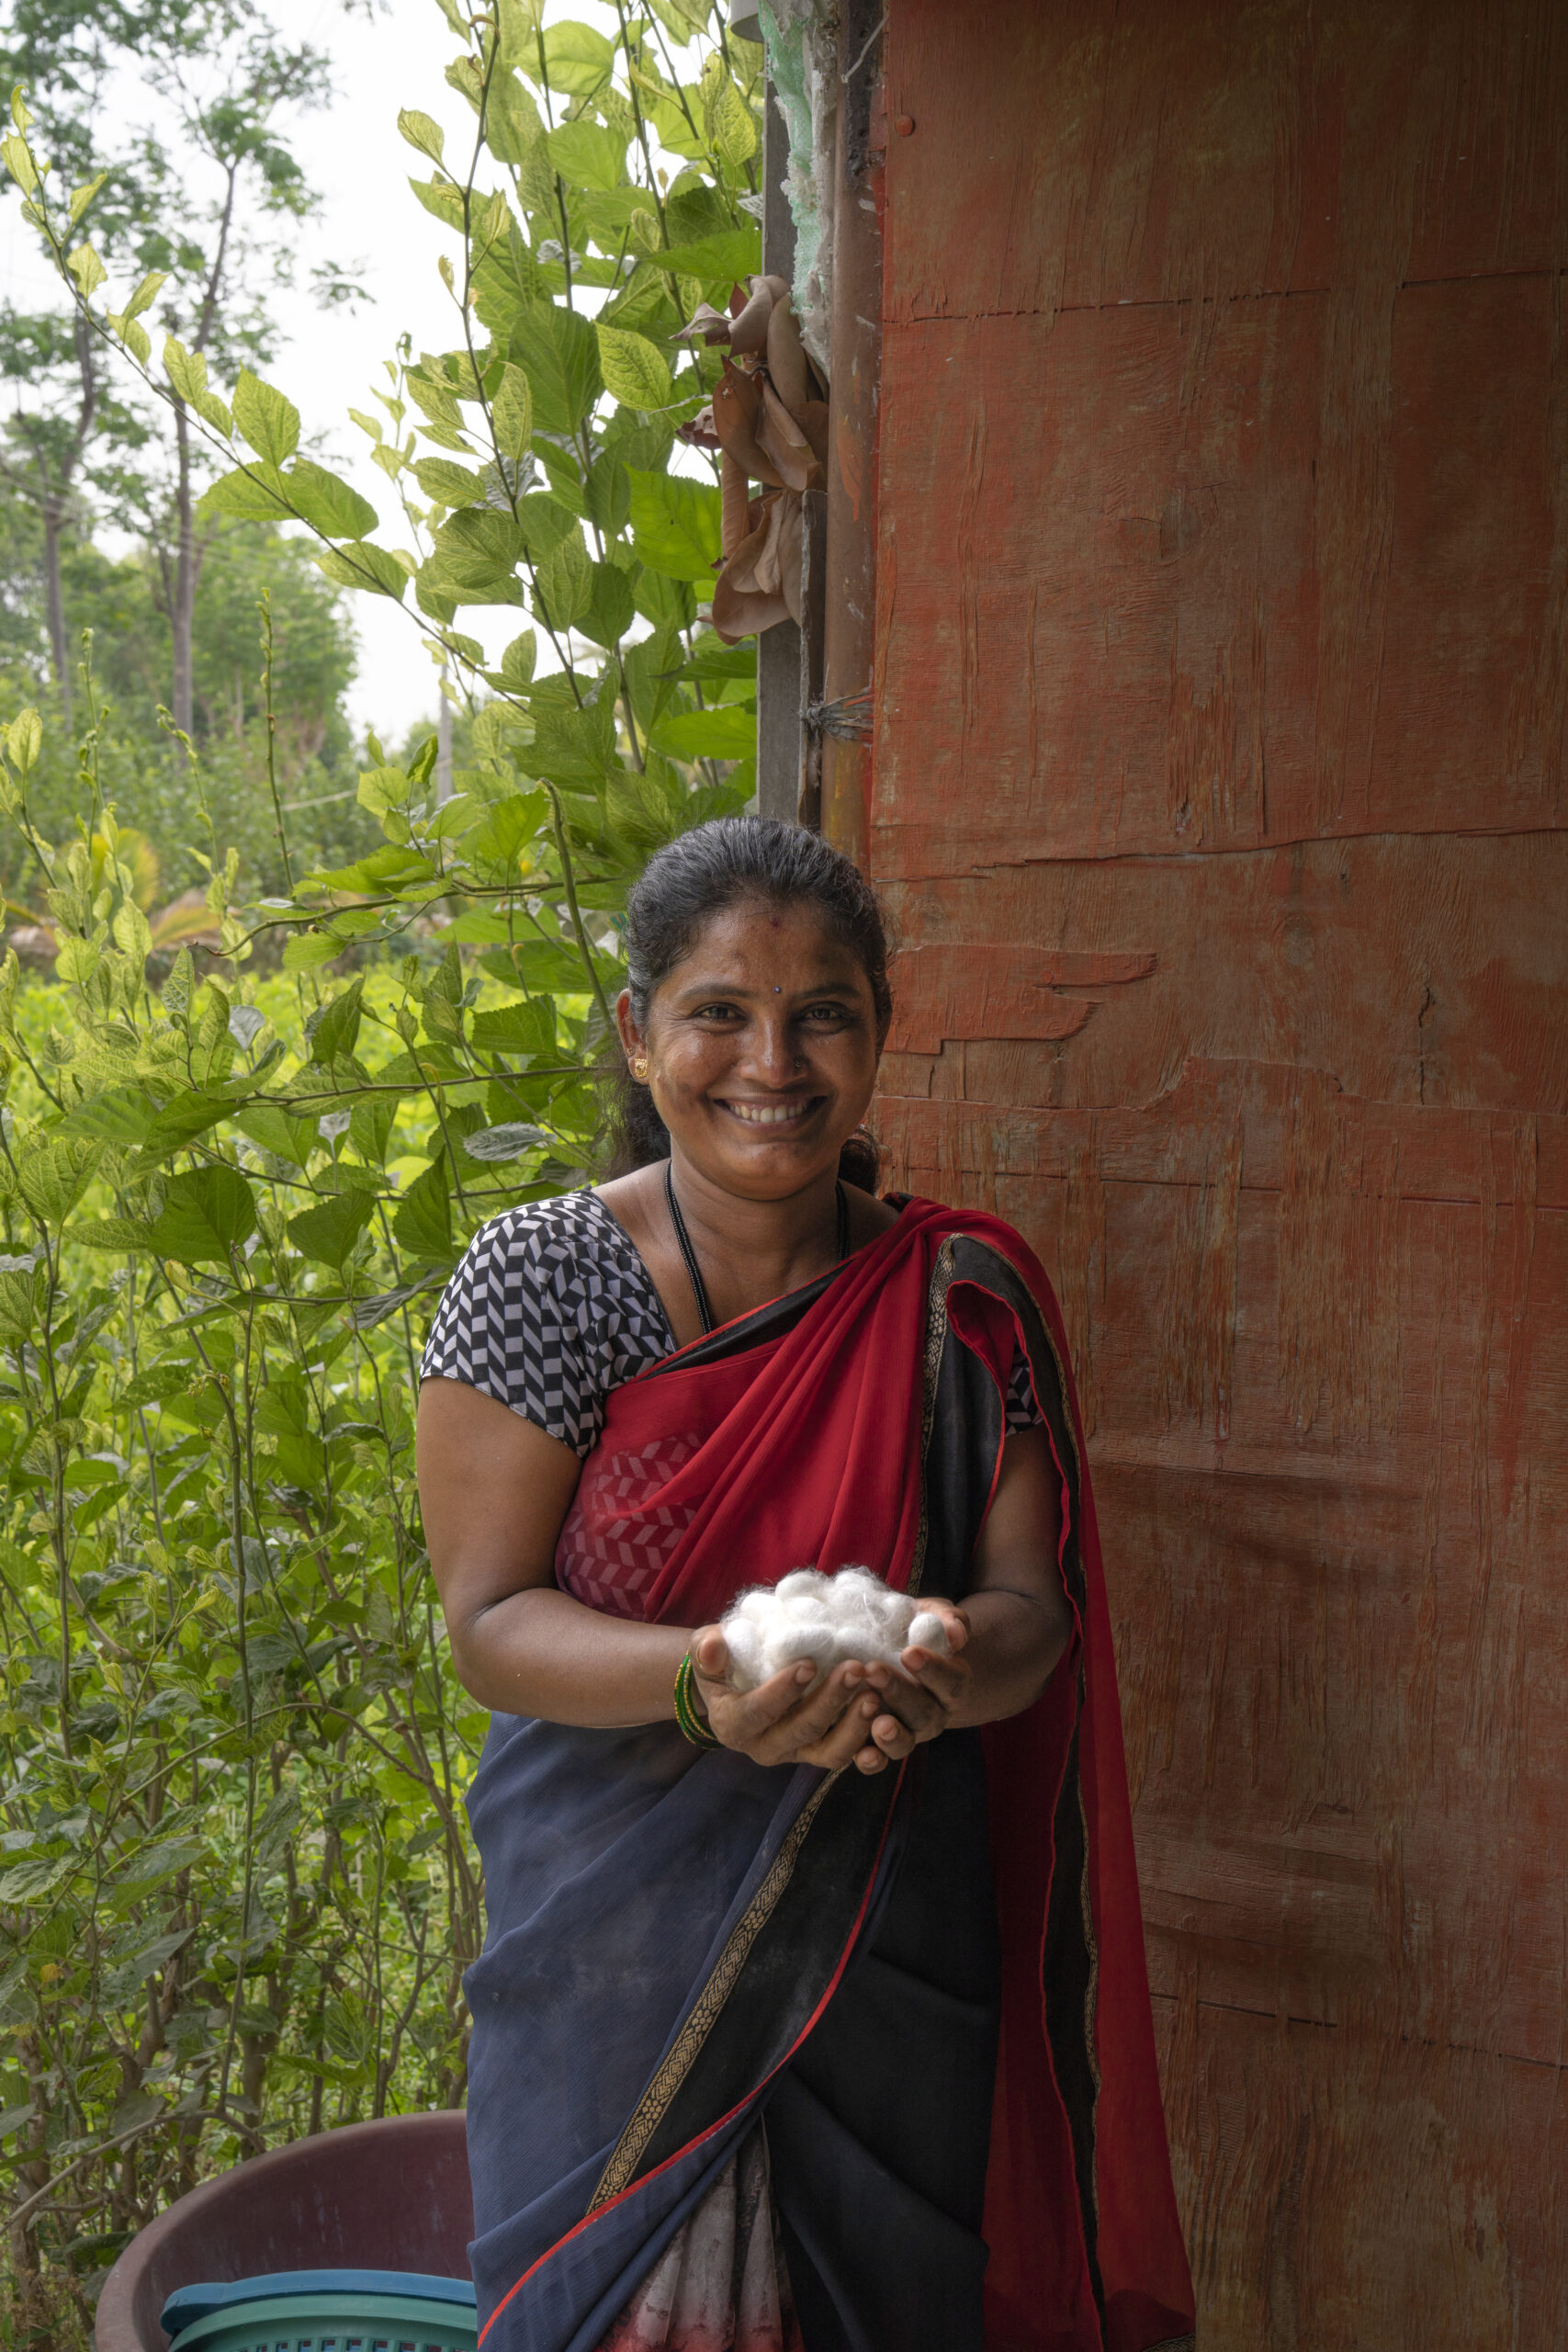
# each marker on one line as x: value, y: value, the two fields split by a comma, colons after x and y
x: 809, y: 2016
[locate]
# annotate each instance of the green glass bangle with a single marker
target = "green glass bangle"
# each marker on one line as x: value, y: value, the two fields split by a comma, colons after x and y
x: 686, y: 1714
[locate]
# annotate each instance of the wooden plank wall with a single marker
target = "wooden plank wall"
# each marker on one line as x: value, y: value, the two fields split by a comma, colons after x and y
x: 1223, y: 672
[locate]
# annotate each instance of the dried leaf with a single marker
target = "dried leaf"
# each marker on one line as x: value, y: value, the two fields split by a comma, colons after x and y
x: 759, y: 585
x: 786, y: 357
x: 706, y: 326
x: 737, y: 413
x: 781, y: 440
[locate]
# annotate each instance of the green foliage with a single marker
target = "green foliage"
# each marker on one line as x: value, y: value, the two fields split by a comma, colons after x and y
x: 236, y: 1895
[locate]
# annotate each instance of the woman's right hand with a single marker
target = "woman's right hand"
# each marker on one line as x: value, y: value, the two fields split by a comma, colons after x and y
x: 784, y: 1721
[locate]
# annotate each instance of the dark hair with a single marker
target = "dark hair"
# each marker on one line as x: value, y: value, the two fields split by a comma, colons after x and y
x: 725, y: 864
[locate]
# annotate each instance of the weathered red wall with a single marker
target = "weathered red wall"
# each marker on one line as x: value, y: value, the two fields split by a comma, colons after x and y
x: 1223, y: 672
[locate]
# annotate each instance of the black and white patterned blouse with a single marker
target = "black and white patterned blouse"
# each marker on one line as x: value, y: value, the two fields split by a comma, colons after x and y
x: 552, y: 1308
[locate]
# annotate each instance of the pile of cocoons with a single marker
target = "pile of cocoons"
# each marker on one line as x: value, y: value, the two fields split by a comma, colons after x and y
x: 828, y: 1620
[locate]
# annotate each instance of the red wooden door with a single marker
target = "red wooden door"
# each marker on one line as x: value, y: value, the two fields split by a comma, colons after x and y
x: 1223, y: 672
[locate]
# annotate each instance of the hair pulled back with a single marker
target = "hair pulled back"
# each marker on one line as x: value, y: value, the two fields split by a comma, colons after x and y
x: 729, y: 861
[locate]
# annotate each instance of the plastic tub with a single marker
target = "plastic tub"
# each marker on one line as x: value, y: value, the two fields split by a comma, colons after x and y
x: 324, y: 2311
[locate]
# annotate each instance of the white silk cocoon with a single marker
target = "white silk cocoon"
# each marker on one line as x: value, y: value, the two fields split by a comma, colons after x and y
x: 828, y: 1620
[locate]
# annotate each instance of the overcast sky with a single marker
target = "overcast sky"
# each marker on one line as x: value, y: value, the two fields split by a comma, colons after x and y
x: 373, y: 227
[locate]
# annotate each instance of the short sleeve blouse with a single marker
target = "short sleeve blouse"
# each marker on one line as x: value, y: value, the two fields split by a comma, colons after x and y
x: 551, y: 1307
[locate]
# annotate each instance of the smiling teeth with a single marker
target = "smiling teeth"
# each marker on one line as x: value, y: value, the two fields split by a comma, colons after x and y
x: 762, y: 1118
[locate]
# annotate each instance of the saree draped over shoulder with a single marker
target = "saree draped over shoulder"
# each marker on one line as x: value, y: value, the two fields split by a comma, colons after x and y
x: 772, y: 2059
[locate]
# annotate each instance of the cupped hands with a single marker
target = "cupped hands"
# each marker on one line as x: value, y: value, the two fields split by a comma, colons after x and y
x: 868, y: 1715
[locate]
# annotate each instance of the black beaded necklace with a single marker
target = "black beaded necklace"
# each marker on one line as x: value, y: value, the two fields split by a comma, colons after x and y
x: 683, y: 1240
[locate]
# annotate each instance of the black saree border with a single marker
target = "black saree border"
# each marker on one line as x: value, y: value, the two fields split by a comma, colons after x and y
x: 652, y: 2110
x: 770, y: 1321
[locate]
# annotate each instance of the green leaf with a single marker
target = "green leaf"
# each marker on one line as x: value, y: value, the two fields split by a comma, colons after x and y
x: 444, y: 418
x: 733, y: 257
x: 559, y: 352
x: 508, y: 1142
x: 608, y: 613
x: 423, y: 1225
x: 86, y: 269
x: 506, y: 279
x: 334, y: 1028
x: 330, y: 1232
x: 53, y: 1175
x: 448, y: 484
x: 726, y: 733
x: 24, y: 740
x: 207, y: 1212
x: 308, y: 948
x: 250, y: 493
x: 156, y: 1386
x: 18, y: 163
x: 634, y: 370
x: 360, y: 564
x: 422, y: 132
x: 575, y: 746
x: 121, y: 1115
x: 113, y: 1233
x: 512, y: 414
x: 507, y: 824
x: 440, y: 198
x: 82, y: 197
x: 288, y: 1138
x: 731, y: 126
x: 552, y: 968
x: 586, y: 156
x: 150, y: 1868
x: 180, y: 1122
x: 527, y: 1028
x: 516, y: 671
x: 564, y: 581
x: 269, y: 422
x: 513, y: 132
x: 146, y: 294
x: 675, y: 525
x: 263, y: 494
x: 606, y: 496
x: 328, y: 505
x: 543, y: 522
x: 27, y: 1882
x: 577, y: 58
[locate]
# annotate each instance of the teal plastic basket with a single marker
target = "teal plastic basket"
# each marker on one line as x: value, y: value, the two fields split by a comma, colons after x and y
x: 325, y: 2311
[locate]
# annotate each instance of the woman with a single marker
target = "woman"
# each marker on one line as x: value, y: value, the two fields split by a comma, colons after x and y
x: 814, y: 2017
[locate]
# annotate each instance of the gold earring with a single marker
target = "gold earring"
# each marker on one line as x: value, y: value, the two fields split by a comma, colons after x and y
x: 639, y: 1069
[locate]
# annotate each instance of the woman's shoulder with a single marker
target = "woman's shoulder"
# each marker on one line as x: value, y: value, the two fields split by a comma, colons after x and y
x: 980, y: 1230
x: 550, y: 1243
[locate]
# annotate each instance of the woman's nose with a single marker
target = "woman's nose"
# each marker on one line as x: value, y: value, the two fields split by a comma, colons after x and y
x: 778, y: 1053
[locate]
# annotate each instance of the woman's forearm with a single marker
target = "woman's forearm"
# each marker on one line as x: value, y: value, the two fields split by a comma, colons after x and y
x: 1016, y: 1642
x: 541, y: 1653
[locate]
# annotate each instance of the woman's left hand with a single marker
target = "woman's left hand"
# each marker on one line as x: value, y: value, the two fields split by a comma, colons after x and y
x: 920, y: 1695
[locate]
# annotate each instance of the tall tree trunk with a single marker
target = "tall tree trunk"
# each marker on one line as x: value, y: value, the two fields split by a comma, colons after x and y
x: 182, y: 606
x: 54, y: 600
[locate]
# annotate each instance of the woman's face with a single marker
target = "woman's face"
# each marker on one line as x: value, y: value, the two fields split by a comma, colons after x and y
x: 763, y: 1050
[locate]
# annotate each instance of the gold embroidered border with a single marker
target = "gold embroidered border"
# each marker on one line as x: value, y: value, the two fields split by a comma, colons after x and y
x: 650, y: 2108
x: 936, y: 1339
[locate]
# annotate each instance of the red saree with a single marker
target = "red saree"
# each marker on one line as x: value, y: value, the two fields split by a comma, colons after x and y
x: 727, y: 1467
